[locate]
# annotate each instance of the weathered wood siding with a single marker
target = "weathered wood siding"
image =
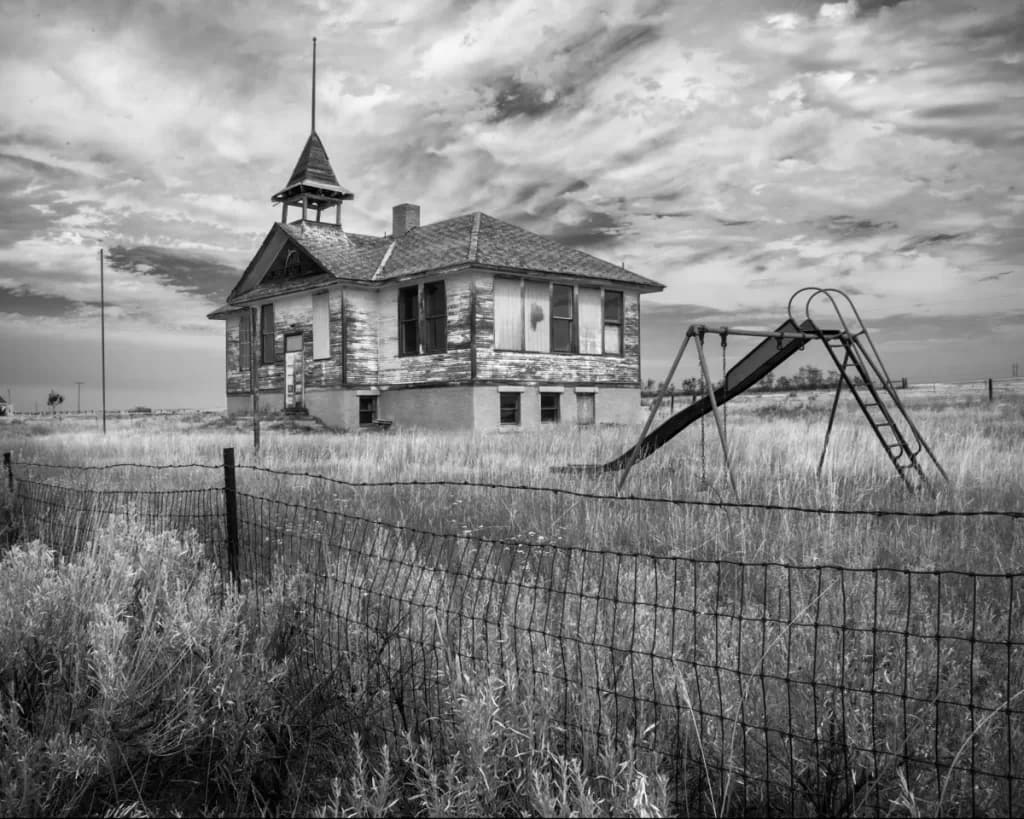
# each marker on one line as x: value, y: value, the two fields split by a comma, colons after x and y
x: 558, y: 368
x: 237, y: 380
x: 327, y: 372
x: 432, y: 368
x: 361, y: 323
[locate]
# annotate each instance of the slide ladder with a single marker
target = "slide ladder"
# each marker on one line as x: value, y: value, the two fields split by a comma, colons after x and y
x: 862, y: 372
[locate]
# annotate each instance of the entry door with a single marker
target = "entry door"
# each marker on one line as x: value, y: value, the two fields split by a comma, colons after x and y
x: 293, y: 371
x: 584, y: 408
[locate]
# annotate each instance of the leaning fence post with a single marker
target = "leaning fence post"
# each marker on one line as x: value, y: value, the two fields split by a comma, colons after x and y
x: 9, y: 471
x: 231, y: 512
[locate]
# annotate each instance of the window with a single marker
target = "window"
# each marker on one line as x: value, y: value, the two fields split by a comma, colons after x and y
x: 408, y: 321
x: 367, y: 410
x: 549, y: 407
x: 561, y: 319
x: 321, y: 326
x: 584, y: 408
x: 426, y: 332
x: 613, y: 322
x: 509, y: 407
x: 244, y: 341
x: 435, y: 318
x: 267, y: 353
x: 542, y: 317
x: 588, y: 306
x: 508, y: 314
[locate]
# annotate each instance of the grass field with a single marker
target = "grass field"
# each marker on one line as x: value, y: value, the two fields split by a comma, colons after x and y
x: 503, y: 751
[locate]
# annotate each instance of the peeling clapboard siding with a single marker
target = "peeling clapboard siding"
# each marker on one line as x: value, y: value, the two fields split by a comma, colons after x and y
x: 515, y: 366
x: 360, y: 330
x: 432, y: 368
x: 327, y: 372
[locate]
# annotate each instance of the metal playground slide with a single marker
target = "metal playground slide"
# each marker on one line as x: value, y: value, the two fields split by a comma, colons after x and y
x: 755, y: 365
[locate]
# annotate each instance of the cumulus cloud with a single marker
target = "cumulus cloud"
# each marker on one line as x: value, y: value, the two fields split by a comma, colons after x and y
x: 731, y: 150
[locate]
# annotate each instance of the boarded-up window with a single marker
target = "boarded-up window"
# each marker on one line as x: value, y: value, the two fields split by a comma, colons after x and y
x: 508, y: 314
x: 537, y: 303
x: 267, y: 353
x: 244, y: 342
x: 588, y: 301
x: 613, y: 322
x: 321, y: 326
x: 584, y: 408
x: 561, y: 319
x: 435, y: 318
x: 408, y: 321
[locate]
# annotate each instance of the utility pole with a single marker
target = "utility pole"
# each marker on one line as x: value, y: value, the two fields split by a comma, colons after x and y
x: 79, y: 383
x: 103, y: 347
x: 1016, y: 370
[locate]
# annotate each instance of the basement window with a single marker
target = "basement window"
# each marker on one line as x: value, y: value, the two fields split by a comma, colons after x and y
x: 550, y: 408
x: 509, y: 408
x: 367, y: 410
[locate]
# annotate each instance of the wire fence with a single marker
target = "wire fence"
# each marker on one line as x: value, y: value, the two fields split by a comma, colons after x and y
x: 759, y: 687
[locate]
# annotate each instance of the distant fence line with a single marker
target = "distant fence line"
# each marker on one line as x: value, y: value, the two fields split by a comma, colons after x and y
x: 756, y: 686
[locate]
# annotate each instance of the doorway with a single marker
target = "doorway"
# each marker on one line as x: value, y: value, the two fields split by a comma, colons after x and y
x: 293, y: 372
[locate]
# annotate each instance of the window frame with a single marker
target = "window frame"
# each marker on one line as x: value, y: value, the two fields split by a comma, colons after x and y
x: 517, y: 408
x: 554, y: 398
x: 421, y: 332
x: 371, y: 407
x: 268, y: 352
x: 245, y: 342
x: 562, y: 320
x: 613, y: 322
x: 430, y: 344
x: 322, y: 335
x: 408, y: 325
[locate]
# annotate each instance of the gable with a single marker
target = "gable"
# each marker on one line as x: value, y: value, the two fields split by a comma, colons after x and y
x: 279, y: 265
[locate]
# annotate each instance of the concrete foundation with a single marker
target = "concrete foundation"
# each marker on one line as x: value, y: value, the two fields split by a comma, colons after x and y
x: 458, y: 407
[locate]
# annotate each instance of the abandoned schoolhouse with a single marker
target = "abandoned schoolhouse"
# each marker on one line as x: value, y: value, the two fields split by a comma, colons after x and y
x: 466, y: 323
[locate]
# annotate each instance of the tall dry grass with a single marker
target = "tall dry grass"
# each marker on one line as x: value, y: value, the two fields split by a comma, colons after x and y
x: 820, y: 672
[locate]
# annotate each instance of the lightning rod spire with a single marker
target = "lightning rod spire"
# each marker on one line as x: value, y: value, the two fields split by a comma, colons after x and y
x: 313, y: 107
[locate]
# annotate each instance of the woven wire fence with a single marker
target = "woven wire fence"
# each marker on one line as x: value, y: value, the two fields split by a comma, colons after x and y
x: 754, y: 687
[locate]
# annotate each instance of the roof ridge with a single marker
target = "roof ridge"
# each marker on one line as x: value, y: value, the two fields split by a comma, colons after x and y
x: 383, y: 261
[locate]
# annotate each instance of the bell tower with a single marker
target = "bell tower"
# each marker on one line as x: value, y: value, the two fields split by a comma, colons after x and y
x: 313, y: 185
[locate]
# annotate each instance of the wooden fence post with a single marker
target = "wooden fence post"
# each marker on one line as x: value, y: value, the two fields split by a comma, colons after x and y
x: 231, y: 512
x: 10, y: 472
x: 990, y: 389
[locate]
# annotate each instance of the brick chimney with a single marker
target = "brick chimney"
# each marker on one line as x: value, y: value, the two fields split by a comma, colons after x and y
x: 404, y: 218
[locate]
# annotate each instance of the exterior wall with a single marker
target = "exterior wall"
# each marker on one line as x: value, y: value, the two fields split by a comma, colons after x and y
x: 441, y: 408
x: 361, y: 315
x: 555, y: 368
x: 325, y: 372
x: 451, y: 408
x: 336, y: 407
x: 454, y: 366
x: 363, y: 329
x: 612, y: 405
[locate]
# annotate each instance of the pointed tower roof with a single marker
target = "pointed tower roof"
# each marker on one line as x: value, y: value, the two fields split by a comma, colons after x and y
x: 313, y: 171
x: 313, y: 182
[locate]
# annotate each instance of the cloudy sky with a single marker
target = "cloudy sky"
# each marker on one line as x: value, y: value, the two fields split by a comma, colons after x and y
x: 734, y: 150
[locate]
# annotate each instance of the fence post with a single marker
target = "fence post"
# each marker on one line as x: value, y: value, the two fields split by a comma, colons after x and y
x: 9, y: 471
x: 231, y: 511
x: 990, y: 389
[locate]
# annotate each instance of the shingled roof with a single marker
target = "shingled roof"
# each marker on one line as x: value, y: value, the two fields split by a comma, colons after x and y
x: 475, y: 239
x: 313, y: 171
